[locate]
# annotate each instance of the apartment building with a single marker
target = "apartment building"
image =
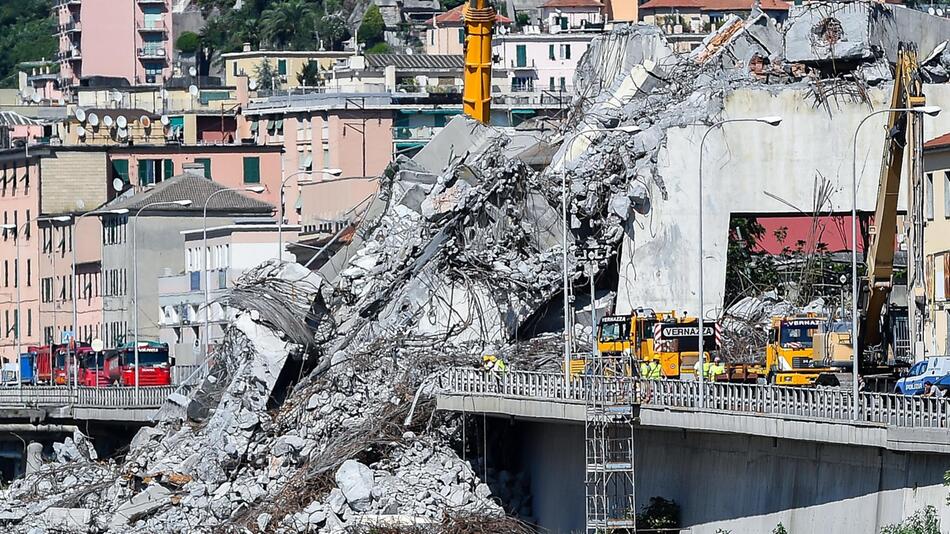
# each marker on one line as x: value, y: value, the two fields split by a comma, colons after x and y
x: 446, y: 31
x: 287, y: 64
x: 937, y: 243
x: 153, y: 227
x: 231, y: 250
x: 687, y: 22
x: 129, y: 39
x: 538, y: 63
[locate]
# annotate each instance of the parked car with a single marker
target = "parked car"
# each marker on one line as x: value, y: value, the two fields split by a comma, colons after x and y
x: 930, y: 370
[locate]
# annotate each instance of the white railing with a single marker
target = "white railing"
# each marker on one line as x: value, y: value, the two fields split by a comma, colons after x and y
x: 86, y: 397
x: 794, y: 402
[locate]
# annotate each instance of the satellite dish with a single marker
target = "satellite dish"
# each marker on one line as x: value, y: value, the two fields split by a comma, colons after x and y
x: 92, y: 119
x: 80, y: 114
x: 932, y: 11
x: 939, y: 12
x: 408, y: 51
x: 252, y: 85
x: 107, y: 121
x: 192, y: 71
x: 121, y: 121
x: 118, y: 185
x: 193, y: 89
x: 36, y: 98
x: 122, y: 133
x: 28, y: 92
x: 145, y: 121
x: 98, y: 345
x: 165, y: 120
x: 81, y: 132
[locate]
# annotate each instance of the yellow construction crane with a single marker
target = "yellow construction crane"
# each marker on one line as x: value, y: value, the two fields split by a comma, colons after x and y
x: 476, y: 94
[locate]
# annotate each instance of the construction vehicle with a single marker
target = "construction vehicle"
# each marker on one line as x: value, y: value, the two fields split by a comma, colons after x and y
x: 476, y: 93
x: 646, y: 334
x: 790, y: 354
x: 882, y: 347
x: 154, y: 364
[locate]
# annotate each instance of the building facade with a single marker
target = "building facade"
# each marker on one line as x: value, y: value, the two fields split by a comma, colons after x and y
x: 119, y: 39
x: 445, y: 33
x: 232, y: 250
x: 937, y: 243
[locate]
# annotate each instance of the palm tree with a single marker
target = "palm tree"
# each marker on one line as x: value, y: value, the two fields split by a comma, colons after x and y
x: 290, y: 23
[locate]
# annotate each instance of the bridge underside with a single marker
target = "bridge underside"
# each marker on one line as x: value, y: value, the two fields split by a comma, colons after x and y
x: 743, y: 476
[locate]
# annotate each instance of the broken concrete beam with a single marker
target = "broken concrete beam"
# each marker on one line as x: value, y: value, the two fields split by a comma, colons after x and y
x: 147, y: 501
x: 67, y: 519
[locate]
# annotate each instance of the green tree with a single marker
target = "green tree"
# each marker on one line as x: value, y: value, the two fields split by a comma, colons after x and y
x: 522, y: 19
x: 266, y: 75
x: 373, y: 29
x: 379, y: 48
x: 746, y: 267
x: 290, y: 23
x: 27, y: 33
x: 188, y: 43
x: 309, y: 75
x: 332, y: 31
x: 922, y: 522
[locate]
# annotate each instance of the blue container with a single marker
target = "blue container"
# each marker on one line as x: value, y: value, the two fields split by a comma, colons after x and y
x: 26, y: 367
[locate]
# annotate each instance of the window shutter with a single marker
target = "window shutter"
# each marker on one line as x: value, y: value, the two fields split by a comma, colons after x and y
x: 207, y: 165
x: 143, y: 172
x: 120, y: 169
x: 169, y: 169
x: 252, y: 170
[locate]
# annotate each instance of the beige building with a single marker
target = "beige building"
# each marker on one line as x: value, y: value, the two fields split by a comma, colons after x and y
x: 446, y: 32
x: 937, y: 243
x: 286, y: 63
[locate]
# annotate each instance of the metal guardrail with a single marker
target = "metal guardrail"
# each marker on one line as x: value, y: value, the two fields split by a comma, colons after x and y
x: 85, y: 397
x: 792, y: 402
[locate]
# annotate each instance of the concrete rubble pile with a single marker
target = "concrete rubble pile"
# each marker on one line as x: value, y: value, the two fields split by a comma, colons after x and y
x: 315, y: 416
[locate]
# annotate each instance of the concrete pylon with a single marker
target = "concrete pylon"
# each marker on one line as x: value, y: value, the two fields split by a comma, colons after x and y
x: 34, y: 457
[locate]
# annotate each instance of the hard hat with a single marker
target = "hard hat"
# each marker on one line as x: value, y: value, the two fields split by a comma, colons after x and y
x: 717, y: 360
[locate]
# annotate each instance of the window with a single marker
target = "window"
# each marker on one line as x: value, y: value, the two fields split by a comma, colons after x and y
x: 563, y: 23
x: 46, y: 288
x: 252, y: 170
x: 29, y: 322
x: 282, y: 67
x: 431, y: 37
x: 169, y: 170
x: 6, y: 273
x: 47, y: 335
x: 29, y: 273
x: 27, y: 229
x: 551, y: 53
x: 521, y: 52
x: 16, y: 273
x: 461, y: 35
x: 565, y: 51
x: 929, y: 203
x: 522, y: 84
x: 206, y: 162
x: 563, y: 84
x: 120, y: 169
x: 946, y: 194
x: 148, y: 171
x: 234, y: 68
x: 551, y: 84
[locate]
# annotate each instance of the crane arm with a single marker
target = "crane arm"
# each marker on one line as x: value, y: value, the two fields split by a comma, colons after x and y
x: 476, y: 93
x: 900, y: 131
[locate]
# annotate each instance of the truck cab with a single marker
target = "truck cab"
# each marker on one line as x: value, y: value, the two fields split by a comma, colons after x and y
x: 154, y: 367
x: 647, y: 334
x: 931, y: 369
x: 790, y: 354
x: 92, y: 368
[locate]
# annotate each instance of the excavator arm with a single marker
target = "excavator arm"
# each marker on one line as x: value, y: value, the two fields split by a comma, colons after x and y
x: 902, y: 134
x: 476, y: 94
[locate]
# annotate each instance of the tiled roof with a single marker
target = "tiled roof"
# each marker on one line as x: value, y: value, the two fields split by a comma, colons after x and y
x: 415, y: 61
x: 715, y: 5
x: 572, y: 3
x: 454, y: 17
x: 197, y: 189
x: 939, y: 142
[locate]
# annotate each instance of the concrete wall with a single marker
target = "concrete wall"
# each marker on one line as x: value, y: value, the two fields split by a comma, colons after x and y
x: 742, y: 484
x: 72, y: 181
x: 748, y: 167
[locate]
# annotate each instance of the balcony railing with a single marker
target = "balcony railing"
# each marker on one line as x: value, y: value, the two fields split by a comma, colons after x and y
x: 71, y: 54
x: 151, y: 27
x: 151, y: 53
x: 70, y: 27
x: 527, y: 64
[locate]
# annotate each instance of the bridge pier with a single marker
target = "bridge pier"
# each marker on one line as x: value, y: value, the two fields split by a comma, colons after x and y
x: 745, y: 484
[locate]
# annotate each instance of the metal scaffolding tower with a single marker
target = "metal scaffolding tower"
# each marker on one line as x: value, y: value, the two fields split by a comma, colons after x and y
x: 611, y: 413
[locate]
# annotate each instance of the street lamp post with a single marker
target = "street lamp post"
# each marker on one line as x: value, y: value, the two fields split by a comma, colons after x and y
x: 771, y: 121
x: 931, y: 111
x: 135, y: 279
x: 280, y: 221
x: 631, y: 129
x: 75, y: 287
x: 204, y: 258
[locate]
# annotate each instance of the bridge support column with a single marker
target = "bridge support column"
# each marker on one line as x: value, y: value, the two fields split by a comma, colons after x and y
x: 34, y: 460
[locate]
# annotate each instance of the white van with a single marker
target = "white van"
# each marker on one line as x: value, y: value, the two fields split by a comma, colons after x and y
x: 929, y: 370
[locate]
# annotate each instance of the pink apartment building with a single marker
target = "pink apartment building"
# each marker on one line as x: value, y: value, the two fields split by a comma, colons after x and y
x: 128, y: 39
x: 43, y: 196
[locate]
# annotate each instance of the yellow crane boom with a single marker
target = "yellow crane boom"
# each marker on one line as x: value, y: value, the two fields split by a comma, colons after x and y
x: 907, y: 93
x: 476, y: 94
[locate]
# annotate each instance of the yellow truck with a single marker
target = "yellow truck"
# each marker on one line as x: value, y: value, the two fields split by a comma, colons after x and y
x: 645, y: 334
x: 790, y: 354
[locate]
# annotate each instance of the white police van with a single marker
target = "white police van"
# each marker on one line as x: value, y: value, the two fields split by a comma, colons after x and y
x: 929, y: 370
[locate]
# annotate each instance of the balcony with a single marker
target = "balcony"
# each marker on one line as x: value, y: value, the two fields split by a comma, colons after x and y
x: 523, y: 65
x: 72, y: 26
x: 151, y: 2
x: 151, y: 52
x: 415, y: 133
x: 73, y: 54
x: 71, y: 3
x: 151, y: 27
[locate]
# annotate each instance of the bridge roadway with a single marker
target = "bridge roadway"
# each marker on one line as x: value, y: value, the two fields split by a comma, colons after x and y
x: 117, y: 404
x: 894, y: 422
